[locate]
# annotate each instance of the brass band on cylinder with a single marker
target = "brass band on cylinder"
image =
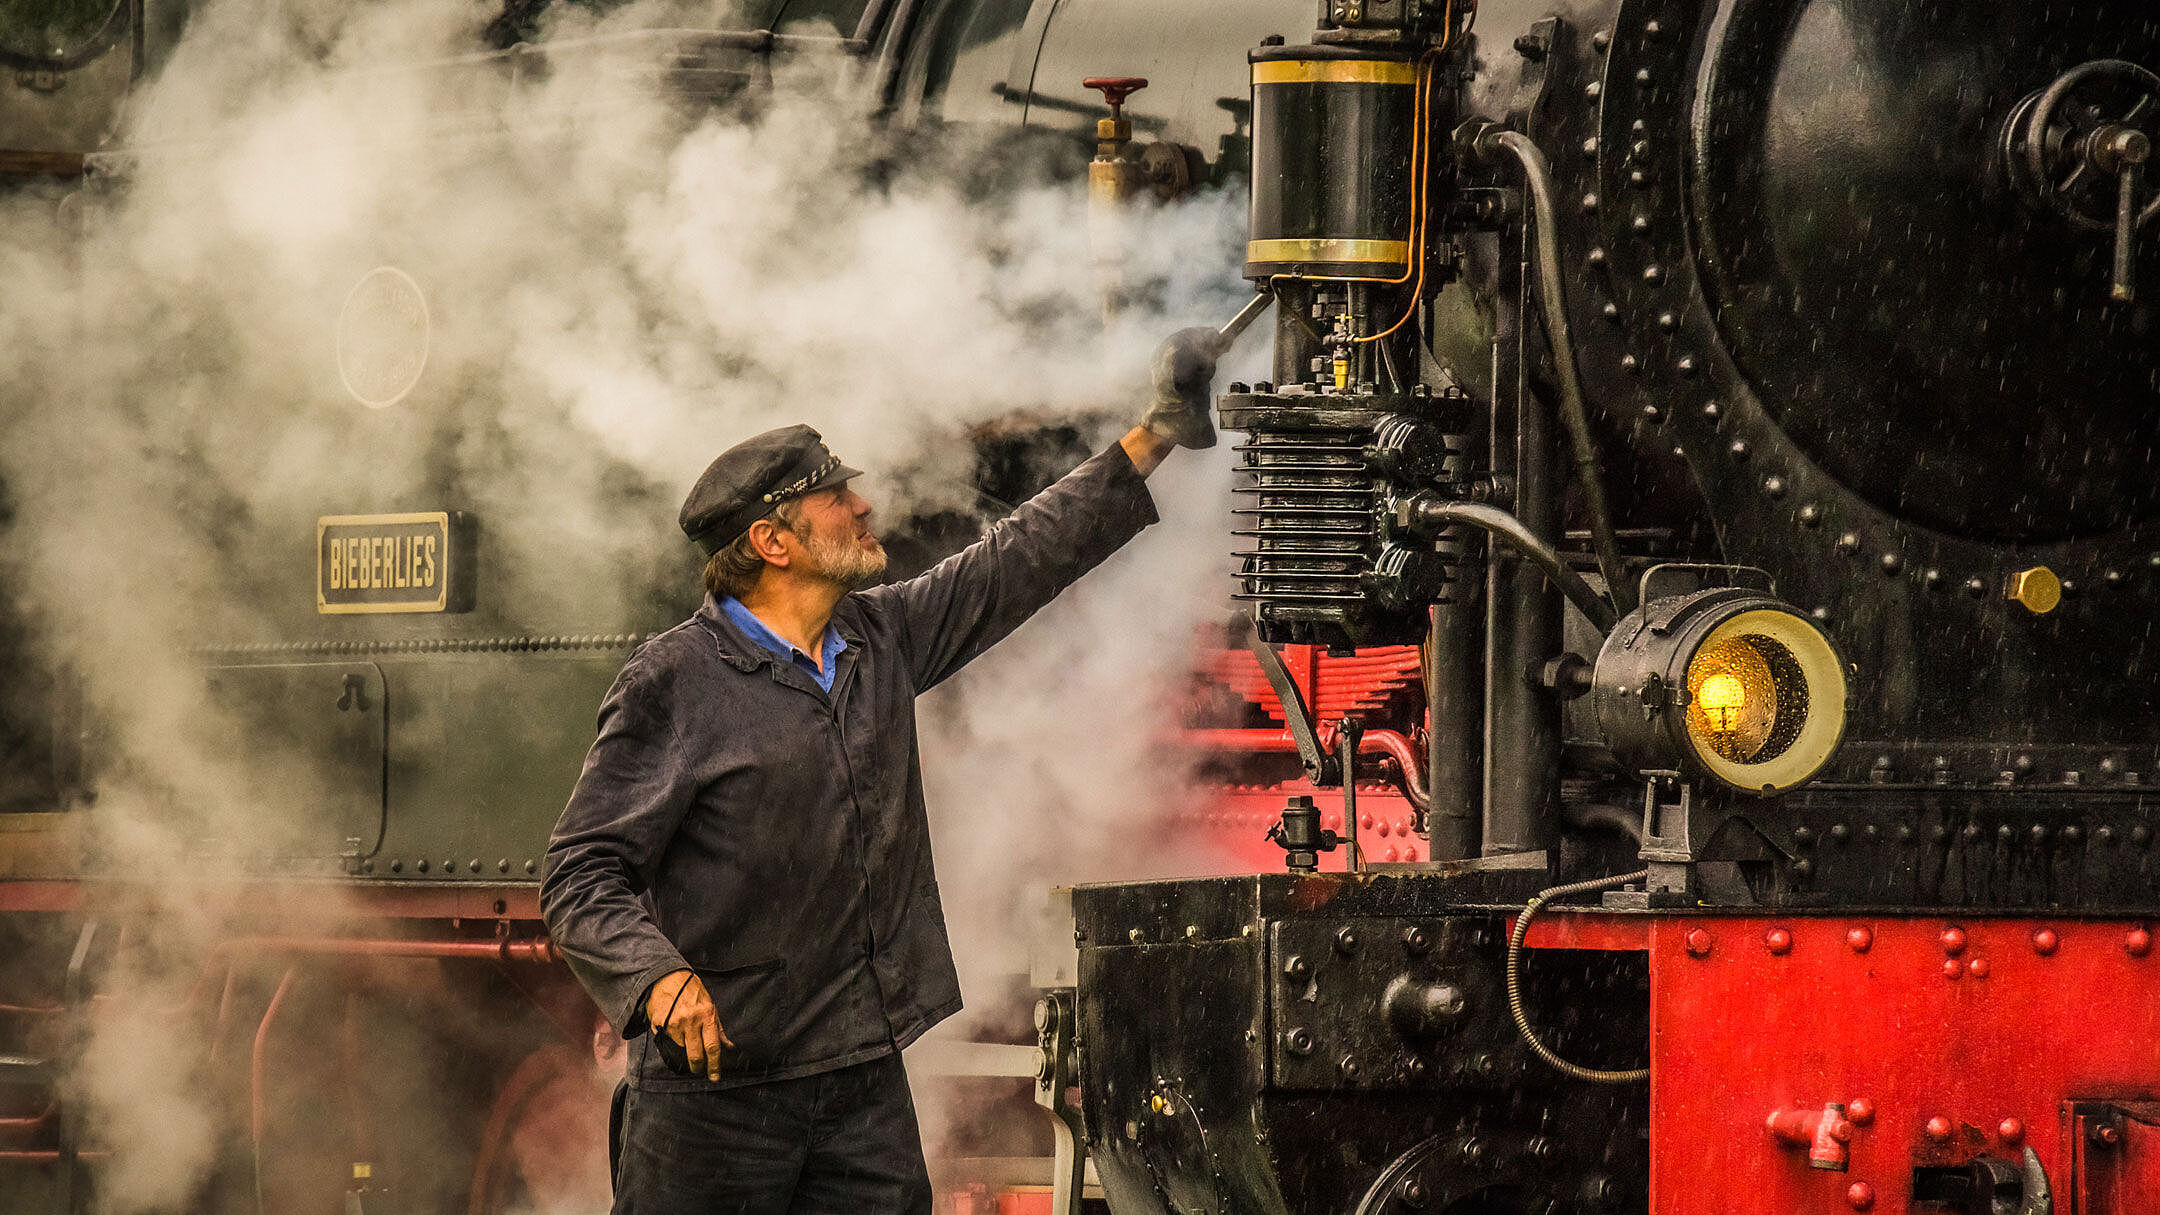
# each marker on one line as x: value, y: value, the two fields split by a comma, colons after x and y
x: 1334, y: 71
x: 1329, y: 249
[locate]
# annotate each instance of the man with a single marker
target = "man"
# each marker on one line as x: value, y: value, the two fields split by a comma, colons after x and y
x: 744, y: 867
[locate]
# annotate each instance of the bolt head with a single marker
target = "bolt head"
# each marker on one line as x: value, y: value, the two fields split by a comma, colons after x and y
x: 1698, y: 942
x: 2137, y: 942
x: 1778, y: 941
x: 1860, y: 1112
x: 2011, y: 1130
x: 1938, y: 1129
x: 2045, y: 942
x: 1953, y: 941
x: 1860, y: 939
x: 2037, y: 590
x: 1953, y: 969
x: 1977, y: 968
x: 1860, y: 1196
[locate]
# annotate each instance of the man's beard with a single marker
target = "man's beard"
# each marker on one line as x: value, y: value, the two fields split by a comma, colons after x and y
x: 844, y: 562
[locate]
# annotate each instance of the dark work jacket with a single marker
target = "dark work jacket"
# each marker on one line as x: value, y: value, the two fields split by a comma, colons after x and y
x: 735, y: 819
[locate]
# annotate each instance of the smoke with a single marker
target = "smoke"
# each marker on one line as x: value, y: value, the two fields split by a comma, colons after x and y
x: 617, y: 285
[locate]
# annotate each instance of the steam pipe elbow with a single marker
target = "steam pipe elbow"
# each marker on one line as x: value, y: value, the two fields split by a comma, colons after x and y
x: 1488, y: 142
x: 1511, y: 531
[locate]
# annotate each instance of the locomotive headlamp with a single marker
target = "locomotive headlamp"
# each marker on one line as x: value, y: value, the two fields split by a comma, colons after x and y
x: 1724, y: 683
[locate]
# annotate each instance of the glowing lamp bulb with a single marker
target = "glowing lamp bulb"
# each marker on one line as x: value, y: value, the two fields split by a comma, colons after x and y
x: 1722, y: 697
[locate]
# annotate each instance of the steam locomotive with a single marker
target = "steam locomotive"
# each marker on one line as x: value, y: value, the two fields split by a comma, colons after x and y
x: 1705, y: 468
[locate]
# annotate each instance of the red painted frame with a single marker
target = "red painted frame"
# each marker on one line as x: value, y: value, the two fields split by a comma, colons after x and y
x: 1945, y: 1039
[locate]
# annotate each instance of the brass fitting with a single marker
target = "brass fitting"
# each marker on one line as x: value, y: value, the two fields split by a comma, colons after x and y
x: 2037, y: 589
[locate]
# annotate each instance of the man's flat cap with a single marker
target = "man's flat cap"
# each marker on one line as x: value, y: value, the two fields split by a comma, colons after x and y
x: 754, y: 476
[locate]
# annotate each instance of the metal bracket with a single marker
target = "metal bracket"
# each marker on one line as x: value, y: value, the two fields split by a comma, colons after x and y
x: 1055, y: 1016
x: 1537, y: 70
x: 1668, y: 844
x: 1672, y: 579
x: 1321, y: 768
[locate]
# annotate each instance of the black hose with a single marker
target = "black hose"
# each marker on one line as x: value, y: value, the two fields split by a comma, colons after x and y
x: 1516, y: 535
x: 1589, y: 472
x: 1514, y: 982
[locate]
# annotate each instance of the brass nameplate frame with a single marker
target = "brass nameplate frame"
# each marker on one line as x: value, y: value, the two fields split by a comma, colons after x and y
x: 418, y: 562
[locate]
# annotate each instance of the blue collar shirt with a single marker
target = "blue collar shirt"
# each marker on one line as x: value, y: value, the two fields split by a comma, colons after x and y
x: 757, y: 631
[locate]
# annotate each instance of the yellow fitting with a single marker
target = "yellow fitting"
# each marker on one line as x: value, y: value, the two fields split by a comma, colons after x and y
x: 2038, y: 589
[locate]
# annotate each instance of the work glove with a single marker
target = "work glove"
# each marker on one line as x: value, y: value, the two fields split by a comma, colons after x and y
x: 1183, y: 370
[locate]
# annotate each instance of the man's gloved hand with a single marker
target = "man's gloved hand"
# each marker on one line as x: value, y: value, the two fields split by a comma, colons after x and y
x: 1184, y: 374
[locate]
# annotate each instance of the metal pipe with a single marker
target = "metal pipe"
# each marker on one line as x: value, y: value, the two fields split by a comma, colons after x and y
x: 257, y: 1102
x: 529, y: 949
x: 866, y: 30
x: 1454, y: 672
x: 1246, y: 316
x: 538, y: 950
x: 1348, y: 733
x: 33, y: 1122
x: 1589, y: 473
x: 902, y: 27
x: 351, y: 1060
x: 1522, y: 628
x: 1506, y: 527
x: 1598, y: 814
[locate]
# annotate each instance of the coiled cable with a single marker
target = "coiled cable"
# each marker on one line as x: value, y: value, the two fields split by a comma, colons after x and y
x: 1514, y: 981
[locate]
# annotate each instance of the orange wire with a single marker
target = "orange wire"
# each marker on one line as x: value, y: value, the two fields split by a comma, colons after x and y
x: 1420, y: 170
x: 1420, y: 166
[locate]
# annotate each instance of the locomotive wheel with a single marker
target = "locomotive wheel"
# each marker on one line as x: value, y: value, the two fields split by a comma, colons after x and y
x: 545, y: 1147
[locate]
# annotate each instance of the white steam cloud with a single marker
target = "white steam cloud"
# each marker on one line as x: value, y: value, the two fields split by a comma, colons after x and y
x: 618, y: 286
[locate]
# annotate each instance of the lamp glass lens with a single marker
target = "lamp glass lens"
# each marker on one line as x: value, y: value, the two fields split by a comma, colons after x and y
x: 1746, y: 698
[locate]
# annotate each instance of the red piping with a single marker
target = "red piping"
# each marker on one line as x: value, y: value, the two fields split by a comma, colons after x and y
x: 255, y: 1060
x: 531, y: 949
x: 32, y: 1122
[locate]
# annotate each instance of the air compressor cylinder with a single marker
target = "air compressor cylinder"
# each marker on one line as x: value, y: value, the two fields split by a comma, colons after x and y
x: 1331, y: 163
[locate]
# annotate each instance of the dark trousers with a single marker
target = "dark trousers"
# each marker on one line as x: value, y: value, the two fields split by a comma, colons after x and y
x: 842, y: 1142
